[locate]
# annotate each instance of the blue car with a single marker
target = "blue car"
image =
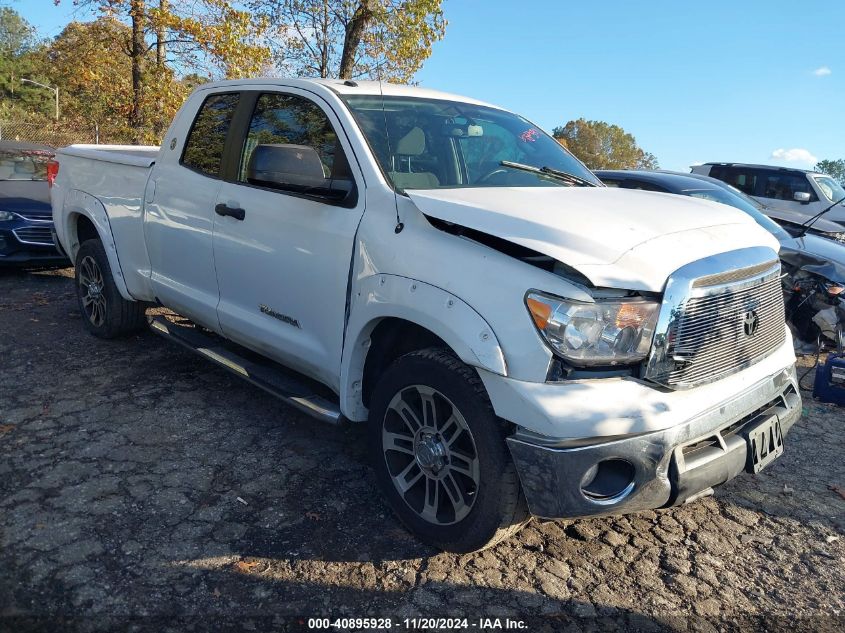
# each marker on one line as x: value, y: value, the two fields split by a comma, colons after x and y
x: 26, y: 218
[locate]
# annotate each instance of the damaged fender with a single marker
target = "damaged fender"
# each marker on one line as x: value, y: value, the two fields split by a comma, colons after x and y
x: 816, y: 255
x: 453, y: 320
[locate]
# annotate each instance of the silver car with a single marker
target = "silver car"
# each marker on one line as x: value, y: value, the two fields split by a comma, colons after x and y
x: 791, y: 196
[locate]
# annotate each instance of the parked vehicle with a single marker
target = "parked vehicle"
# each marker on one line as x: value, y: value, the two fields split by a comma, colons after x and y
x: 791, y: 196
x: 519, y: 338
x: 815, y: 265
x: 26, y: 219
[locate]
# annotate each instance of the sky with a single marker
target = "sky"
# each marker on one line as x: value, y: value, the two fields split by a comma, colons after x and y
x: 758, y: 81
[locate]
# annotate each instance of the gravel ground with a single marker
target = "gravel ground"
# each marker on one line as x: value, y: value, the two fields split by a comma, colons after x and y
x: 143, y: 488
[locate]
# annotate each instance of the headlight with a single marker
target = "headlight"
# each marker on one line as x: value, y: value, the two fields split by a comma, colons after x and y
x: 6, y: 215
x: 607, y: 332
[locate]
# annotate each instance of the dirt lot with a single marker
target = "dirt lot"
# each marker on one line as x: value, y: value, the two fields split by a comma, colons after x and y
x: 142, y: 488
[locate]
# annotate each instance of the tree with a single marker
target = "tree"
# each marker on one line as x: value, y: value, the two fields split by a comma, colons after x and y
x: 91, y: 63
x: 351, y: 39
x: 833, y: 168
x: 601, y: 145
x: 21, y: 57
x: 194, y: 35
x: 17, y: 36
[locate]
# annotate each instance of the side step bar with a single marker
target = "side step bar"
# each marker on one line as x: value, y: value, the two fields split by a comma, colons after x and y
x: 292, y: 391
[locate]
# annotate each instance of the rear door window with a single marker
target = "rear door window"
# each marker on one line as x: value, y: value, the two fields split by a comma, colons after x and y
x: 643, y: 186
x: 743, y: 178
x: 774, y: 184
x: 207, y: 139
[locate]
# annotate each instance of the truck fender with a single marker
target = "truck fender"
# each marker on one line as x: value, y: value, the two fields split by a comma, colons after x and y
x: 81, y: 203
x: 438, y: 311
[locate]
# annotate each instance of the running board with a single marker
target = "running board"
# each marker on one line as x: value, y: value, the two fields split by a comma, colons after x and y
x: 287, y: 388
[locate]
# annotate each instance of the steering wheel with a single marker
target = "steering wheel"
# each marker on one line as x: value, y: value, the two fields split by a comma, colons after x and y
x: 490, y: 174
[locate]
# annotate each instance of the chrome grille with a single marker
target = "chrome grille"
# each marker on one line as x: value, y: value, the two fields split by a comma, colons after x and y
x: 719, y: 315
x: 711, y: 340
x: 35, y: 235
x: 36, y: 215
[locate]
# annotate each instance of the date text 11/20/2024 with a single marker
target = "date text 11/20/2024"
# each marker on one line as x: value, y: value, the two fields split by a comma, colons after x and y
x: 379, y: 624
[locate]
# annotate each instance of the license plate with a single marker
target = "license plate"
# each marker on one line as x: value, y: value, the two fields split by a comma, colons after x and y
x: 765, y: 444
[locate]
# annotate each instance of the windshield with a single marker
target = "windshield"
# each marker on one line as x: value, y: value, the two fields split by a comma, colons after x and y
x: 726, y: 197
x: 832, y: 190
x: 432, y: 144
x: 24, y: 164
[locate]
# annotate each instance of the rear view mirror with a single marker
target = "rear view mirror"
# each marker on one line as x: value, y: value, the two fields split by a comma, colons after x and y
x: 801, y: 196
x: 458, y: 130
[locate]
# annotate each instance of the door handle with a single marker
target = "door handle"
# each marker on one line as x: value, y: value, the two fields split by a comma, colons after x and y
x: 232, y: 212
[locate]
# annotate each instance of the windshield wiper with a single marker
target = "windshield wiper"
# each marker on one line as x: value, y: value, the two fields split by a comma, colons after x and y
x: 809, y: 223
x: 548, y: 171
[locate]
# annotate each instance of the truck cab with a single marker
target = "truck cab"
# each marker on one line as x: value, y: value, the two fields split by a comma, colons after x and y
x: 519, y: 339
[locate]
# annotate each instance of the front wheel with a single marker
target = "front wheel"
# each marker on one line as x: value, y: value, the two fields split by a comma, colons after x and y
x: 106, y: 314
x: 439, y: 454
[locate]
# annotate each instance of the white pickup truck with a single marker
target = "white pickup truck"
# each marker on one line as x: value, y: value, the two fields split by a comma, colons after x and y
x: 519, y: 339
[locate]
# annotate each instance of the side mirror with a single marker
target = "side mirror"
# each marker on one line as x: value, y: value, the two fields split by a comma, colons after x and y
x: 286, y: 167
x: 298, y: 169
x: 801, y: 196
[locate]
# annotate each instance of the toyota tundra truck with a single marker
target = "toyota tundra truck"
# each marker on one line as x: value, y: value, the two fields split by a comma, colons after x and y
x: 519, y: 339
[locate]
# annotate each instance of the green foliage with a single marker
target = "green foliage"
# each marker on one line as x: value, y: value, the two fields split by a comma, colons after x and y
x: 22, y: 57
x: 833, y: 168
x: 601, y: 145
x: 17, y: 36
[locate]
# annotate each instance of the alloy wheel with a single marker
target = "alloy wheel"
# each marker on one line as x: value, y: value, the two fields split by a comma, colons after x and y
x: 92, y: 288
x: 430, y: 454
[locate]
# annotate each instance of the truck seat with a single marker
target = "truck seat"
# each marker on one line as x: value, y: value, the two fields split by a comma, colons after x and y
x: 410, y: 146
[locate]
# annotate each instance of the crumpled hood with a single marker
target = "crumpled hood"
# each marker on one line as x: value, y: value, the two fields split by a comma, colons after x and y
x: 616, y: 237
x: 815, y: 254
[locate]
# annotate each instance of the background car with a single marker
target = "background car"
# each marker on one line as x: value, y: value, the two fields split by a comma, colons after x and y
x: 815, y: 265
x: 26, y: 218
x: 790, y: 195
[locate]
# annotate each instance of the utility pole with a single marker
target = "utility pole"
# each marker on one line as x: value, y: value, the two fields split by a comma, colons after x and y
x: 55, y: 91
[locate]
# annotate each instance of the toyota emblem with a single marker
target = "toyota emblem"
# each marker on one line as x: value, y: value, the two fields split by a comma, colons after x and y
x: 750, y: 323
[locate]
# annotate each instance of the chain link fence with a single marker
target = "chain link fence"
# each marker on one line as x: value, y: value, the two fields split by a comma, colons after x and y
x: 59, y: 134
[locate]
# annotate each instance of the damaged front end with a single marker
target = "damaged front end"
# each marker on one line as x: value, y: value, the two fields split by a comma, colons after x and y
x: 814, y: 294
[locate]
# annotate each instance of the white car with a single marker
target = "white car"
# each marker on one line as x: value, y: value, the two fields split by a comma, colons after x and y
x: 519, y: 338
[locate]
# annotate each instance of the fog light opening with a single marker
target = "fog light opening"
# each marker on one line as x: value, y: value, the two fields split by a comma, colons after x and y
x: 608, y: 481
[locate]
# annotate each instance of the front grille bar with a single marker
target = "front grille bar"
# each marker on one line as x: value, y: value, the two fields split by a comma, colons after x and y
x: 37, y: 236
x: 719, y: 315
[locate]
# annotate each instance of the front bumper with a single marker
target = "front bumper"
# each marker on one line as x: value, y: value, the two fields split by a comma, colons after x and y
x: 17, y: 250
x: 665, y: 467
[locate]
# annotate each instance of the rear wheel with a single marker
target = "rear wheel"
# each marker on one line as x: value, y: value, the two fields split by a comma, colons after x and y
x: 105, y: 313
x: 440, y: 456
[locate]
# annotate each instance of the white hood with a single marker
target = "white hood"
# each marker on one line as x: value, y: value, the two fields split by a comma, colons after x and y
x: 617, y: 238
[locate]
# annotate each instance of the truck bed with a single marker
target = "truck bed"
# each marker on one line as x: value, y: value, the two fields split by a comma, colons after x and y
x: 134, y: 155
x: 107, y: 183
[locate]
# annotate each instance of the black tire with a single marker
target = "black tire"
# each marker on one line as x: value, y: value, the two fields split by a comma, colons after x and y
x: 105, y: 313
x: 488, y: 510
